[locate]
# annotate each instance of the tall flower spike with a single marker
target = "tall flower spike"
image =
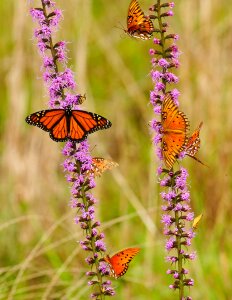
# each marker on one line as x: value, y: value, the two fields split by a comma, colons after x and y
x: 177, y: 217
x: 78, y: 160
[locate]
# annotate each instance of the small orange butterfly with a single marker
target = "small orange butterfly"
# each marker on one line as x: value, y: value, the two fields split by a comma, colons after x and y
x: 119, y: 262
x: 100, y: 165
x: 196, y: 221
x: 138, y: 25
x: 193, y: 144
x: 175, y: 125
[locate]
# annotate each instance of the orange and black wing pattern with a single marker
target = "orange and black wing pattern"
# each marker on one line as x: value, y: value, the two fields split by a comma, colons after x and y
x: 194, y: 142
x: 52, y: 120
x: 193, y: 145
x: 67, y: 124
x: 138, y: 25
x: 83, y: 123
x: 119, y: 262
x: 174, y: 128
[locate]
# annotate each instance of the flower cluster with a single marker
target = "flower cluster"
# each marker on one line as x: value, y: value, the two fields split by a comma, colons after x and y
x: 78, y: 165
x: 60, y: 84
x: 176, y: 198
x: 78, y: 160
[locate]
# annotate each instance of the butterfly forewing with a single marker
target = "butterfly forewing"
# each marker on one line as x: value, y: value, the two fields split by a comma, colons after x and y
x: 45, y: 119
x: 119, y: 262
x: 138, y: 25
x: 174, y: 129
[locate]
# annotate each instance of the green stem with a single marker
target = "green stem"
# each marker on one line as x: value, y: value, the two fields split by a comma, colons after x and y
x: 88, y: 231
x: 180, y: 256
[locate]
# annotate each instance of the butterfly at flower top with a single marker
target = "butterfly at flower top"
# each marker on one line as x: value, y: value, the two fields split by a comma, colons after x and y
x: 67, y: 124
x: 119, y: 262
x: 174, y: 131
x: 100, y: 165
x: 196, y: 221
x: 138, y: 25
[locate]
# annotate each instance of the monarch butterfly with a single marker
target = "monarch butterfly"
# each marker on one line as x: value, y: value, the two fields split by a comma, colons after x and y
x: 138, y: 25
x: 193, y: 144
x: 67, y: 124
x: 119, y: 262
x: 100, y: 165
x: 174, y: 129
x: 196, y: 221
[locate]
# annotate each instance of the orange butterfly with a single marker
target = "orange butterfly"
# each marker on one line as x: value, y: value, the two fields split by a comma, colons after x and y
x: 138, y: 25
x: 193, y: 144
x: 196, y: 221
x: 119, y: 262
x: 67, y: 124
x: 175, y: 125
x: 100, y: 165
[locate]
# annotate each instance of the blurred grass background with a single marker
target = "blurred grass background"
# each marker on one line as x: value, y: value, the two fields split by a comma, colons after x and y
x: 39, y: 254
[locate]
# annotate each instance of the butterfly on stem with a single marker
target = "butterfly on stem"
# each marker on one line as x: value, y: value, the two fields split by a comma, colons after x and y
x: 100, y: 165
x: 138, y: 25
x: 174, y: 131
x: 67, y: 124
x: 119, y: 262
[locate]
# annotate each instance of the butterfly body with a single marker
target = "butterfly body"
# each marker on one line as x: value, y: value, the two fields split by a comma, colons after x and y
x: 67, y: 124
x: 174, y: 129
x: 119, y: 262
x: 138, y: 25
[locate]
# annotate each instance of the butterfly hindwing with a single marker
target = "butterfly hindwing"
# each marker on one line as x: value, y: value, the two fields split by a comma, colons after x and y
x: 119, y: 262
x: 174, y: 128
x: 194, y: 142
x: 138, y: 25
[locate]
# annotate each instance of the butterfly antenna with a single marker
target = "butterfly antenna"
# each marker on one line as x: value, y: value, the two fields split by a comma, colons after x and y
x: 93, y: 148
x: 198, y: 160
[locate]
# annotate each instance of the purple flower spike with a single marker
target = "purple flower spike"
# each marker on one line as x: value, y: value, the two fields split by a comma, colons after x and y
x: 177, y: 217
x: 60, y: 83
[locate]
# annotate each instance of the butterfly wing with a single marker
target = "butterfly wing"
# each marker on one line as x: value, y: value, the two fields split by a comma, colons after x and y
x: 175, y: 125
x: 52, y: 120
x: 100, y: 165
x: 194, y: 142
x: 83, y: 123
x: 67, y: 124
x: 196, y: 221
x: 138, y: 25
x: 119, y: 262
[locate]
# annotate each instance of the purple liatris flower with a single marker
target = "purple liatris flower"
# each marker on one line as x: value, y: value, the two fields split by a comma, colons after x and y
x: 177, y: 217
x: 61, y: 89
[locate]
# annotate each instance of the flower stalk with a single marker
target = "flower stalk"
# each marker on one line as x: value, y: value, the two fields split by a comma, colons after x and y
x: 61, y: 87
x: 177, y: 217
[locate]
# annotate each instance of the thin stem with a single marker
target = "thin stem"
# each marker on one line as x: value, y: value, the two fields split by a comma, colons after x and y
x: 93, y: 247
